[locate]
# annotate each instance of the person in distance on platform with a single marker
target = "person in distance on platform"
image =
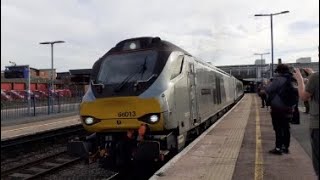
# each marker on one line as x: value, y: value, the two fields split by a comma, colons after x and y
x: 311, y: 92
x: 262, y: 93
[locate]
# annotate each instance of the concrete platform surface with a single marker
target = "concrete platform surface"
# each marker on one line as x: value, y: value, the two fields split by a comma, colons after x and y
x: 236, y: 147
x: 23, y: 129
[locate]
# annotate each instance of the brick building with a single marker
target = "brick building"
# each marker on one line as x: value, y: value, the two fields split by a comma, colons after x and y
x: 39, y: 80
x: 75, y: 80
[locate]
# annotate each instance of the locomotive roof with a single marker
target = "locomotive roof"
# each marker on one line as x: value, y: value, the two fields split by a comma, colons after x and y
x: 152, y: 43
x: 145, y: 44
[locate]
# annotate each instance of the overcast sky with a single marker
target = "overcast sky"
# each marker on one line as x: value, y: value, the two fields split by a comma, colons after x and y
x: 224, y: 32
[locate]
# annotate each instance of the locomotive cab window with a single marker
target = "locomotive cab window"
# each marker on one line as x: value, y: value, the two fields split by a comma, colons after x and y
x: 177, y: 67
x: 127, y: 66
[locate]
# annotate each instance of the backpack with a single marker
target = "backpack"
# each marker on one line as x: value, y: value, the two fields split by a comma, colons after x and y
x: 288, y: 94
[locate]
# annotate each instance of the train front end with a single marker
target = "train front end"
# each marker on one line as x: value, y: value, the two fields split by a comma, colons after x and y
x: 115, y: 104
x: 120, y: 114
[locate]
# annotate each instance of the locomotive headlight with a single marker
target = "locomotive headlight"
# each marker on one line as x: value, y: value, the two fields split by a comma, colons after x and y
x: 154, y: 118
x: 89, y: 120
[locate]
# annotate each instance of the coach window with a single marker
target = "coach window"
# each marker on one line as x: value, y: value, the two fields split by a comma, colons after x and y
x: 176, y: 67
x: 223, y: 91
x: 214, y: 91
x: 218, y: 90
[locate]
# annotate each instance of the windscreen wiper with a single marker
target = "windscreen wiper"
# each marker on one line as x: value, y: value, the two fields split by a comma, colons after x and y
x: 144, y: 67
x: 99, y: 86
x: 145, y: 81
x: 142, y: 70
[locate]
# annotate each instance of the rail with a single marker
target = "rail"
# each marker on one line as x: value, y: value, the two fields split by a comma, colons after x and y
x: 57, y: 133
x: 40, y: 167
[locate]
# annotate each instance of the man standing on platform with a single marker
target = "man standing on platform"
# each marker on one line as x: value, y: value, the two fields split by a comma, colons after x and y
x: 282, y: 97
x: 311, y: 92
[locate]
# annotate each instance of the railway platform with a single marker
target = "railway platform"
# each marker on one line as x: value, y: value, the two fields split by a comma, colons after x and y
x: 31, y: 128
x: 236, y: 147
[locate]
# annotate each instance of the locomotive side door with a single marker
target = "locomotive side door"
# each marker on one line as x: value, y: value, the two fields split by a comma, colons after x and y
x: 194, y: 119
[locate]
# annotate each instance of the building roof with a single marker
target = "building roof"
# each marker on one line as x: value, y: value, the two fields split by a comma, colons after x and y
x: 80, y: 71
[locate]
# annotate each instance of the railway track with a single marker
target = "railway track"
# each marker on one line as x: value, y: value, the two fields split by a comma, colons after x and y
x: 113, y: 177
x: 39, y: 168
x: 42, y: 136
x: 15, y: 153
x: 17, y: 147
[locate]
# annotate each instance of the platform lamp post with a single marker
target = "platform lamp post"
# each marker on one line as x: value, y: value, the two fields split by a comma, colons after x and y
x: 261, y: 54
x: 27, y: 76
x: 271, y: 19
x: 52, y: 70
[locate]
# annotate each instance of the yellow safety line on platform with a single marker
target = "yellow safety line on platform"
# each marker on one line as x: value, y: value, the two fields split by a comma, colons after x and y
x: 258, y: 169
